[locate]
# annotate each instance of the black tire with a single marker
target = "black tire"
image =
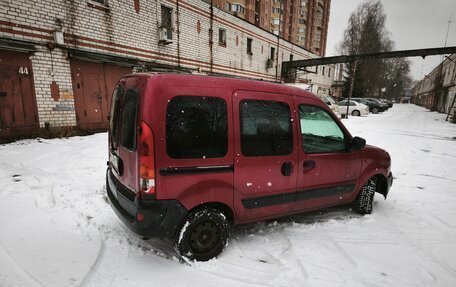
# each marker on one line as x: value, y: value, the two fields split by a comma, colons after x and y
x: 203, y: 235
x: 364, y: 201
x: 375, y: 111
x: 356, y: 113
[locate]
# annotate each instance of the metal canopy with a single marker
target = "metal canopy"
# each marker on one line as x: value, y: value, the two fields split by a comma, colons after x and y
x: 16, y: 45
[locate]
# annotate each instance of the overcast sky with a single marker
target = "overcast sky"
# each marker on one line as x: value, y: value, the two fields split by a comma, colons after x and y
x: 413, y: 24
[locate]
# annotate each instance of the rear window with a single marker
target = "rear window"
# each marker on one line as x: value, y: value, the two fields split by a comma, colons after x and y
x: 129, y: 120
x: 196, y: 127
x: 115, y: 102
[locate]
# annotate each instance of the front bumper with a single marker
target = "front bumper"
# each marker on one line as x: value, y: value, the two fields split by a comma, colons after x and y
x: 161, y: 218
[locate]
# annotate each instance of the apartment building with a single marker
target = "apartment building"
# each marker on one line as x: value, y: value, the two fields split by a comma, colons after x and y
x: 302, y: 22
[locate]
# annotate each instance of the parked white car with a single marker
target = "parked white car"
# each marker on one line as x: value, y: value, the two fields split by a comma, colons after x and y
x: 355, y: 109
x: 330, y: 102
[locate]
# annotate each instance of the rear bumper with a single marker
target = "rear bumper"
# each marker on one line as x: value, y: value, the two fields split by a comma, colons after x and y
x: 161, y: 218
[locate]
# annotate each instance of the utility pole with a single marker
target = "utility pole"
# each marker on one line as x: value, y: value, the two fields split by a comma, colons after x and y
x: 352, y: 82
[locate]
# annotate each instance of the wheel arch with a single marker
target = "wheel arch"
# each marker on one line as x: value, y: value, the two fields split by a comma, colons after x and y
x: 222, y: 207
x: 380, y: 180
x: 382, y: 184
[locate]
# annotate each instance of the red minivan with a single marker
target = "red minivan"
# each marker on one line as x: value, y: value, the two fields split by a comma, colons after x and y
x: 190, y: 155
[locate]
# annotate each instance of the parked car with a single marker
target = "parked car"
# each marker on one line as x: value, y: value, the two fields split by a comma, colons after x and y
x: 190, y: 155
x: 355, y: 108
x: 330, y: 102
x: 374, y: 107
x: 382, y: 104
x: 388, y: 102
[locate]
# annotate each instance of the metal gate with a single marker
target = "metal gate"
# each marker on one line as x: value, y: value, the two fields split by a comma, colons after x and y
x: 18, y: 114
x: 93, y: 84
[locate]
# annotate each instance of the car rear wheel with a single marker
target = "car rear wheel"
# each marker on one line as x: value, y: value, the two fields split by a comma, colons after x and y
x: 356, y: 113
x: 375, y: 111
x: 203, y: 235
x: 364, y: 201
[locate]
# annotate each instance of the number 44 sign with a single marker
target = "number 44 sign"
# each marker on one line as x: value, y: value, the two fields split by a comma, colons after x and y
x: 23, y: 70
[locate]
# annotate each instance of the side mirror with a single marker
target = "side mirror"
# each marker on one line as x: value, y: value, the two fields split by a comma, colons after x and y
x: 357, y: 144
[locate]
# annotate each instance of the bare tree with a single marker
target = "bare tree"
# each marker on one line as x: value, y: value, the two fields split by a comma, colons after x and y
x: 366, y: 33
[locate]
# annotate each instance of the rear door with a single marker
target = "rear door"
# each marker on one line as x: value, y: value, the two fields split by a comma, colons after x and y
x: 265, y: 154
x: 123, y: 132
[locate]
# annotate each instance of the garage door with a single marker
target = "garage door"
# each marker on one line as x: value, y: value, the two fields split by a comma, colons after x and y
x: 17, y: 98
x: 93, y: 84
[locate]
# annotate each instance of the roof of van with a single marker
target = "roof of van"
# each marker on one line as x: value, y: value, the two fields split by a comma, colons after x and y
x: 226, y: 82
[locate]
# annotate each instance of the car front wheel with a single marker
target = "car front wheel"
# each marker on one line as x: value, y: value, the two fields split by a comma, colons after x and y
x: 375, y: 111
x: 203, y: 235
x: 364, y: 201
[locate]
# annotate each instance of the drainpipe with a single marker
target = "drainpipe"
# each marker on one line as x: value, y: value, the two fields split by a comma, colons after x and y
x: 211, y: 34
x: 178, y: 34
x: 277, y: 59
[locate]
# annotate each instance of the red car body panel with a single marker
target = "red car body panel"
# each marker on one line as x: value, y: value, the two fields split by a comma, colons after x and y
x: 248, y: 188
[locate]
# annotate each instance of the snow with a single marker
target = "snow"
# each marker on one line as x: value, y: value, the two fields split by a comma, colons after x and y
x: 57, y: 229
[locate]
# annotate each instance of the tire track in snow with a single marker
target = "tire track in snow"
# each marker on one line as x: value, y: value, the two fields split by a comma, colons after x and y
x: 338, y: 248
x: 17, y: 267
x: 95, y: 266
x: 414, y: 248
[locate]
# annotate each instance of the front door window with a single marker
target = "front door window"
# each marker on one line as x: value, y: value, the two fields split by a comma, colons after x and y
x: 320, y: 133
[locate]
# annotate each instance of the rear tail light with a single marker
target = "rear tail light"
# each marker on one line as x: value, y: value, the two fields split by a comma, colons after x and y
x: 146, y: 163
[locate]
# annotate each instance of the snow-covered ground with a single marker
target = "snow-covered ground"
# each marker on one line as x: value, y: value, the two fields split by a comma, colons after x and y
x: 56, y: 228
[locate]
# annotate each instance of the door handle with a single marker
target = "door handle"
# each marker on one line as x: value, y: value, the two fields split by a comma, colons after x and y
x: 308, y: 165
x: 287, y: 168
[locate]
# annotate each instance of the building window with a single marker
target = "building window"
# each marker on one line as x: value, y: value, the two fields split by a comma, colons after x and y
x: 102, y: 2
x: 228, y: 6
x: 272, y: 54
x: 222, y: 37
x: 238, y: 8
x: 323, y: 71
x: 166, y: 21
x: 291, y: 57
x: 276, y: 10
x: 276, y: 21
x: 302, y: 21
x: 98, y: 4
x: 249, y: 46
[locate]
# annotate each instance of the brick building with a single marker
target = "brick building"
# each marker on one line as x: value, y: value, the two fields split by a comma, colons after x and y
x: 437, y: 91
x: 302, y: 22
x: 60, y: 60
